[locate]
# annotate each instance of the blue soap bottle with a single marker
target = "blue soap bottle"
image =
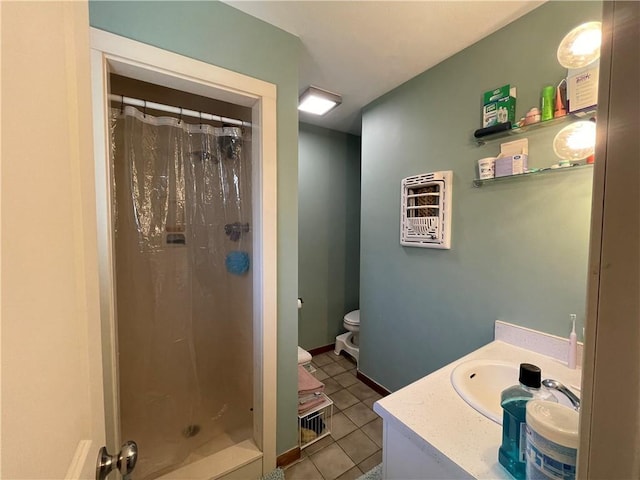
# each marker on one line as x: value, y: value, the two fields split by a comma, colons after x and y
x: 511, y: 454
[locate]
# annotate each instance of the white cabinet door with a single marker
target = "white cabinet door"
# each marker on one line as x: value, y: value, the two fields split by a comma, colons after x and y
x: 52, y: 402
x: 404, y: 459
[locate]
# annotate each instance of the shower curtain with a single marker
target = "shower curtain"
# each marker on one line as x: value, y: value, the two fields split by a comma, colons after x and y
x: 183, y: 288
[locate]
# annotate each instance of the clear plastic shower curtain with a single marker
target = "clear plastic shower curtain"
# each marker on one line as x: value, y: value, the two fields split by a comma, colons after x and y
x: 183, y: 288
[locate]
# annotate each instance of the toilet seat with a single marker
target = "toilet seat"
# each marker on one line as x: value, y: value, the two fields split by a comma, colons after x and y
x: 352, y: 318
x: 304, y: 357
x: 349, y: 341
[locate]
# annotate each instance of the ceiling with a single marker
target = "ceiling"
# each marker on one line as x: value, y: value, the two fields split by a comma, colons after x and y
x: 363, y: 49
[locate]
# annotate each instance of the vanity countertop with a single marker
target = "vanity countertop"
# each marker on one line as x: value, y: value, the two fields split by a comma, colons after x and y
x: 439, y: 422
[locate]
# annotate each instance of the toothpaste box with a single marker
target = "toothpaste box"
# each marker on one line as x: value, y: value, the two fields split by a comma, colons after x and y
x: 499, y: 106
x: 511, y: 165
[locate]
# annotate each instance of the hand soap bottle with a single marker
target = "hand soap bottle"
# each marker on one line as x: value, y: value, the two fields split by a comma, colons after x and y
x: 511, y: 454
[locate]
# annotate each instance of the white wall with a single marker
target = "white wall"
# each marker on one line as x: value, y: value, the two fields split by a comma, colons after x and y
x: 610, y: 414
x: 49, y: 283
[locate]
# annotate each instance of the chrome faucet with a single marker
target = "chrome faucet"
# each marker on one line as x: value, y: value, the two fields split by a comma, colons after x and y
x: 556, y: 385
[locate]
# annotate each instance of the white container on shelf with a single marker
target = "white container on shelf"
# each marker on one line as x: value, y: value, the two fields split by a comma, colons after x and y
x: 486, y: 168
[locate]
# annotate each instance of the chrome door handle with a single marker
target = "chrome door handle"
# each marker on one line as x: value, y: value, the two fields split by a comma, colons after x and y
x: 124, y: 461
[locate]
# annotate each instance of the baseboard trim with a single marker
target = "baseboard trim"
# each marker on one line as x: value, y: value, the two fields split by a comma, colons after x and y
x: 324, y: 349
x: 372, y: 384
x: 288, y: 457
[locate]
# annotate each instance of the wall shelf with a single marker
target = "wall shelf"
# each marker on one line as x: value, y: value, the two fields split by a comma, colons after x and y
x: 583, y: 114
x: 546, y: 171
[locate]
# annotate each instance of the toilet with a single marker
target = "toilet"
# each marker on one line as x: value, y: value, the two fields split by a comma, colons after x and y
x: 304, y: 360
x: 304, y: 357
x: 349, y: 341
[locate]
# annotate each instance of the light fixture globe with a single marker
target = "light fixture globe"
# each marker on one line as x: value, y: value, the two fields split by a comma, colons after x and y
x: 581, y: 46
x: 576, y: 141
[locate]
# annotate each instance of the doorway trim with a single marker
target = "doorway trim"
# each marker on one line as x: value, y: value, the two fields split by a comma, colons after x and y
x: 114, y: 54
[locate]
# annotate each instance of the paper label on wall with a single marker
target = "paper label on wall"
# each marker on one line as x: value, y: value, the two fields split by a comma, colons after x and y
x: 582, y: 89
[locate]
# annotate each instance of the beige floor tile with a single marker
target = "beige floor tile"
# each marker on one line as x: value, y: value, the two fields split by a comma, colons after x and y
x: 360, y: 414
x: 333, y: 369
x: 371, y: 400
x: 323, y: 359
x: 358, y: 446
x: 303, y: 470
x: 331, y: 386
x: 361, y: 391
x: 295, y: 462
x: 346, y: 379
x: 332, y: 462
x: 343, y: 399
x: 317, y: 446
x: 347, y: 362
x: 371, y: 462
x: 373, y: 430
x: 349, y: 451
x: 352, y: 474
x: 341, y: 426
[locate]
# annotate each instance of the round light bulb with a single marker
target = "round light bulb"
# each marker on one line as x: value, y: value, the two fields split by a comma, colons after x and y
x: 587, y: 42
x: 580, y: 46
x: 576, y: 141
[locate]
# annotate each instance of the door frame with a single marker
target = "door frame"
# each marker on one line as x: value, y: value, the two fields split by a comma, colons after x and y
x: 115, y: 54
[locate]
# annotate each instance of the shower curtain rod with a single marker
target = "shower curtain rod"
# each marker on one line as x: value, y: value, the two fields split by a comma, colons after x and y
x: 136, y: 102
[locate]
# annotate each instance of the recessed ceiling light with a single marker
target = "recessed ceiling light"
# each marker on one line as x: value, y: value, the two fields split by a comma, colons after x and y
x: 317, y: 101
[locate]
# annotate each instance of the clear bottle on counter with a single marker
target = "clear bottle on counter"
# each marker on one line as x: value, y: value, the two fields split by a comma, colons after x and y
x: 512, y: 452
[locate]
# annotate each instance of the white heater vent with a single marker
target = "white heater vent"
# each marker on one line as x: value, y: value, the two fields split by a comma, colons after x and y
x: 425, y: 214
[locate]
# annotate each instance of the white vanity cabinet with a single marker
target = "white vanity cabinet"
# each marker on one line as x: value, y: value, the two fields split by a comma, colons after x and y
x: 408, y: 459
x: 430, y: 432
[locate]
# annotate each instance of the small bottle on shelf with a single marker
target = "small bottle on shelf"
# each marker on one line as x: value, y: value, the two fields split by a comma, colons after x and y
x: 560, y: 110
x: 547, y: 106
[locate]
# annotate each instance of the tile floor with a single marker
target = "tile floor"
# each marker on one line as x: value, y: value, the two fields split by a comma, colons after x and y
x: 355, y: 444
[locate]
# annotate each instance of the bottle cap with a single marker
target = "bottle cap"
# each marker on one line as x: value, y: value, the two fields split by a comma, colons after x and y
x: 549, y: 90
x: 530, y: 375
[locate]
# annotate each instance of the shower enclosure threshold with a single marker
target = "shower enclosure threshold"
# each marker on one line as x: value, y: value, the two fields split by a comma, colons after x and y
x: 243, y: 460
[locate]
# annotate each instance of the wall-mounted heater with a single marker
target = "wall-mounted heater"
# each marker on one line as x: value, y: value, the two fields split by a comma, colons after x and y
x: 425, y: 213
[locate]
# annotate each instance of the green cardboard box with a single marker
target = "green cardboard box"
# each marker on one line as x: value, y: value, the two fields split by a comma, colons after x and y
x: 499, y: 106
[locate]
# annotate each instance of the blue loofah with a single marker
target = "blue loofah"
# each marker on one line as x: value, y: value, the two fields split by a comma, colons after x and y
x: 237, y: 262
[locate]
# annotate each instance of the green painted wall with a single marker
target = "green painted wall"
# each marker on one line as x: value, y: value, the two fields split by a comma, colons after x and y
x: 519, y: 249
x: 328, y: 232
x: 220, y: 35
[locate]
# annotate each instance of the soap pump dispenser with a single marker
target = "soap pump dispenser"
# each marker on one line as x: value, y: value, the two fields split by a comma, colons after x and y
x: 573, y: 343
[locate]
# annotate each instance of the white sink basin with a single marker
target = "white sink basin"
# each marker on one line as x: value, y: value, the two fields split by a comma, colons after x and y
x: 480, y: 382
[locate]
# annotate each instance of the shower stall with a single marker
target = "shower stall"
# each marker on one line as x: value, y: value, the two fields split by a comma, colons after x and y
x: 186, y: 229
x: 183, y: 249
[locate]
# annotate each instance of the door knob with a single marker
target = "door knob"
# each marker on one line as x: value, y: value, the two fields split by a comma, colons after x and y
x: 124, y: 461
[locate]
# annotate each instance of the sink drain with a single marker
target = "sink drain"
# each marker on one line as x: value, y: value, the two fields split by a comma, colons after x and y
x: 191, y: 431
